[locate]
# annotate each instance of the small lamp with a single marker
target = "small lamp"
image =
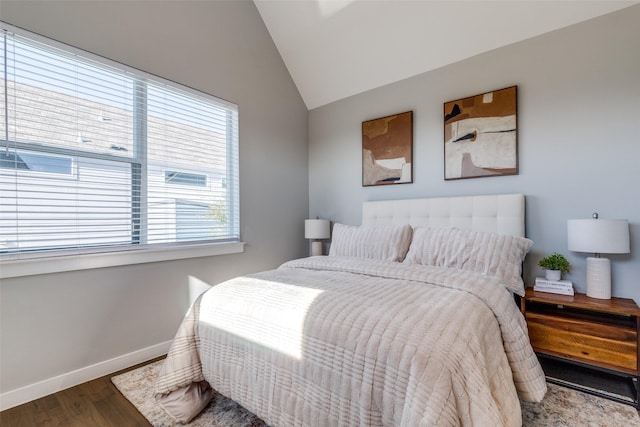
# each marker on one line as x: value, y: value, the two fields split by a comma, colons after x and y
x: 608, y: 236
x: 316, y: 229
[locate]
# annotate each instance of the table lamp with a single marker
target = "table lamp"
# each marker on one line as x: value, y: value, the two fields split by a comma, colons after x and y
x: 598, y: 236
x: 316, y: 229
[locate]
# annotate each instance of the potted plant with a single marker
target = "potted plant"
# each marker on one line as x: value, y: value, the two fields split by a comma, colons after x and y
x: 555, y: 264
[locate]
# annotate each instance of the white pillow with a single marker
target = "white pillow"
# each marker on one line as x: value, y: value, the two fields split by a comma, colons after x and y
x: 385, y: 242
x: 491, y: 254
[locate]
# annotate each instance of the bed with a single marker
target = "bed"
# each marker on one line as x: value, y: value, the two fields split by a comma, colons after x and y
x: 409, y: 321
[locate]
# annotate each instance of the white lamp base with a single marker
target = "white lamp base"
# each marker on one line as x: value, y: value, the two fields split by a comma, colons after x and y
x: 598, y: 278
x: 316, y: 248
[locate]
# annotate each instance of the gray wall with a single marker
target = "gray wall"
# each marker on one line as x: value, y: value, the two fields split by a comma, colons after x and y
x: 579, y: 141
x: 57, y: 323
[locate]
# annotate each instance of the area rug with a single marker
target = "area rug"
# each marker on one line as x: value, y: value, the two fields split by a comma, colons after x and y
x: 562, y: 407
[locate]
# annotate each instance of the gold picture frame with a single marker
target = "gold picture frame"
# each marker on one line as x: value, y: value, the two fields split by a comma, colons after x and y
x: 481, y: 135
x: 387, y: 150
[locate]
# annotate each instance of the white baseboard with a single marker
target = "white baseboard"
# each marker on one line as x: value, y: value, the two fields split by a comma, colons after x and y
x: 40, y: 389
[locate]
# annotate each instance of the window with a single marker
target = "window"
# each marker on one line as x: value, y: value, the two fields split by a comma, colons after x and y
x: 191, y: 217
x: 97, y: 156
x: 185, y: 178
x: 36, y: 162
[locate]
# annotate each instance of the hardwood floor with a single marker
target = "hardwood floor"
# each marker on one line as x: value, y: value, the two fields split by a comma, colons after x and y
x: 96, y: 403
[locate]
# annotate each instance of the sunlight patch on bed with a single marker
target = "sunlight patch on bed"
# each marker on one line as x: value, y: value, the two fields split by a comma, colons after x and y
x: 263, y: 312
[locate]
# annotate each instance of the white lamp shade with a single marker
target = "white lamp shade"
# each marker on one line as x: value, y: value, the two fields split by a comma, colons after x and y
x: 598, y: 236
x: 316, y: 229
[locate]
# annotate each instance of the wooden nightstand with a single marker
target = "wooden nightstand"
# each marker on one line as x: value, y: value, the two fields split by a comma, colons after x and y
x: 595, y: 335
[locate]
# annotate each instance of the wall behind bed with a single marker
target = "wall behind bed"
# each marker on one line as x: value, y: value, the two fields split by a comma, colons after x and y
x: 579, y: 141
x: 56, y: 329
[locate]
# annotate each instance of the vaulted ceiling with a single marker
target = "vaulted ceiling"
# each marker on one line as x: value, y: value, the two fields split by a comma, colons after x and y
x: 338, y: 48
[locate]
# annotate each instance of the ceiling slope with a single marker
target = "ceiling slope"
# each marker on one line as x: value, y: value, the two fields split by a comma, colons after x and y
x: 338, y: 48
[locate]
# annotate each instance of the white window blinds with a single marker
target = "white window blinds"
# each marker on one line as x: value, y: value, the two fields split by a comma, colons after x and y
x: 97, y: 156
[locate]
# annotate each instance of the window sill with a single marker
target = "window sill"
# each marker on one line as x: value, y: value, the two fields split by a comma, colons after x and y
x: 30, y: 267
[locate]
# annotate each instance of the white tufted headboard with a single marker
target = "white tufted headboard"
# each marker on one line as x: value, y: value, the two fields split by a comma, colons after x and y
x: 502, y: 214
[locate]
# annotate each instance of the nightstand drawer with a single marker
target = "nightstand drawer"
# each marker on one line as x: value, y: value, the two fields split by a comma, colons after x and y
x: 606, y: 345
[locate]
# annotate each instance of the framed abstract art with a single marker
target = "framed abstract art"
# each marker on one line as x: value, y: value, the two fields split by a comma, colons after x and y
x: 387, y: 150
x: 481, y: 135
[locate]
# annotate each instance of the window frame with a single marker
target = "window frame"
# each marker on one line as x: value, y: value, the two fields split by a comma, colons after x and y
x: 51, y: 261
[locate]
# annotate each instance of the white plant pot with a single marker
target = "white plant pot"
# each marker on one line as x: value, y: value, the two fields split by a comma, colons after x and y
x: 553, y: 274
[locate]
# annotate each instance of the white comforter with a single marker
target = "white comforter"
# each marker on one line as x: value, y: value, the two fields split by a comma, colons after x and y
x: 330, y: 341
